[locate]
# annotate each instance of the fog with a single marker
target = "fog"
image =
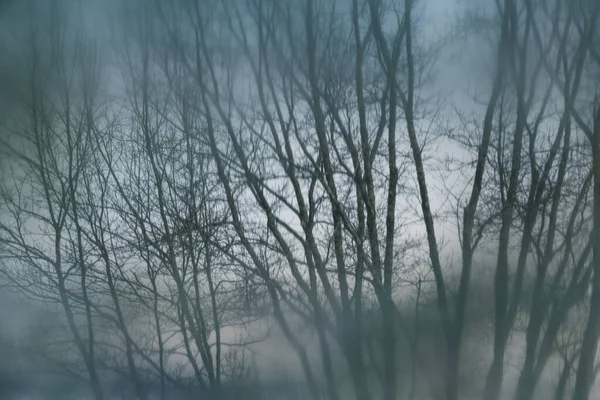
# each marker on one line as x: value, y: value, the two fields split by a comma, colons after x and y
x: 299, y: 199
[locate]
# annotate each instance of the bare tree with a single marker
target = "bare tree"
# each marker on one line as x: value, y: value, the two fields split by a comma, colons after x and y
x: 278, y: 157
x: 50, y: 148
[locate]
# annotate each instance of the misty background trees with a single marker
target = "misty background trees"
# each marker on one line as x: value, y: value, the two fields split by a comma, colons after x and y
x: 320, y: 199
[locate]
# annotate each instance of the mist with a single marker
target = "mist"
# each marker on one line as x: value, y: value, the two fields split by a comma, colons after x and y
x: 299, y: 199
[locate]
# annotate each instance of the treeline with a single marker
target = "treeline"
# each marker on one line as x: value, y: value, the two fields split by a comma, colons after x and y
x: 220, y: 171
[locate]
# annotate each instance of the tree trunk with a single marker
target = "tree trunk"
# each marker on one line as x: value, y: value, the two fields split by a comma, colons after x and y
x: 587, y: 359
